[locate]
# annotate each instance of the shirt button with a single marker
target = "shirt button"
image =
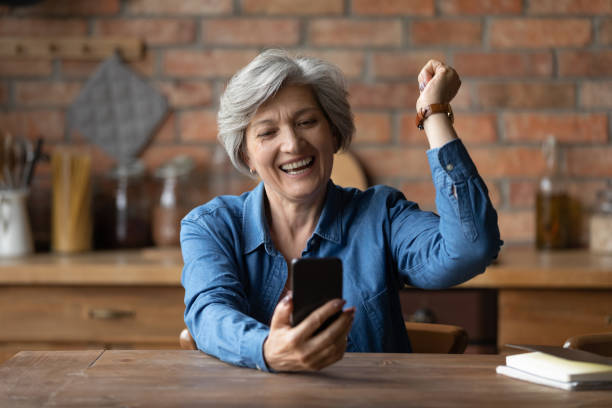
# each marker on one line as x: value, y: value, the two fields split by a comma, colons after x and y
x: 449, y: 167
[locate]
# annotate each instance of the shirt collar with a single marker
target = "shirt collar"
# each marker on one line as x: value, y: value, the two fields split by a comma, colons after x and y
x: 255, y: 226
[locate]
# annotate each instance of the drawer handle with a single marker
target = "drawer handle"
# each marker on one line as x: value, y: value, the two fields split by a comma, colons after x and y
x: 110, y: 314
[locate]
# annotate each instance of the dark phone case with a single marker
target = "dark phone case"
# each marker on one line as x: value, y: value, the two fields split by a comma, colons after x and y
x: 314, y: 281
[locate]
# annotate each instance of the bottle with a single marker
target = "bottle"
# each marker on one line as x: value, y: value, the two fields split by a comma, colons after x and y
x: 601, y: 222
x: 552, y: 202
x: 171, y: 206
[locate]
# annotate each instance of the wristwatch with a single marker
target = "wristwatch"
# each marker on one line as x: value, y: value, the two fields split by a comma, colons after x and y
x: 424, y: 113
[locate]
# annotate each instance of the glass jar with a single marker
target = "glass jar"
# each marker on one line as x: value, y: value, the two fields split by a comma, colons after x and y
x: 552, y: 202
x: 601, y: 222
x: 171, y: 206
x: 123, y: 208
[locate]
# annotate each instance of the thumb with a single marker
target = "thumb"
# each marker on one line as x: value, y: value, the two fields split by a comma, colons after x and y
x: 282, y: 313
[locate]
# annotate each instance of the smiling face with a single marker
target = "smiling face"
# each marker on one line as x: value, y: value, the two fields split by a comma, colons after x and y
x: 289, y: 143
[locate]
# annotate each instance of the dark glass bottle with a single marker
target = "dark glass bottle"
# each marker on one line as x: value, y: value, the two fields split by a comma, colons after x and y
x: 123, y: 208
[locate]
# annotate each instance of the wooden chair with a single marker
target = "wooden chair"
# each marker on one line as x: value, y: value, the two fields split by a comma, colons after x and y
x: 598, y: 343
x: 424, y: 337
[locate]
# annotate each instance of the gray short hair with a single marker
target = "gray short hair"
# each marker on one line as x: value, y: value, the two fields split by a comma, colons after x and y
x: 262, y: 78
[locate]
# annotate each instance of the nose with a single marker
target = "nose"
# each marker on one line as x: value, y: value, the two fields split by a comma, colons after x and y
x: 291, y: 140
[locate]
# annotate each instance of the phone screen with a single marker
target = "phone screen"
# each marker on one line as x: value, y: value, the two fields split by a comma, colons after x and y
x: 314, y: 281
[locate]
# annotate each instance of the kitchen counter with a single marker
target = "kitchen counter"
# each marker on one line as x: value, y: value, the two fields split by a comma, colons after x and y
x: 134, y: 299
x: 518, y: 267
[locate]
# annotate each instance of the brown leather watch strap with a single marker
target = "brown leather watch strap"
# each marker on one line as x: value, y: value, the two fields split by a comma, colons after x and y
x: 424, y: 113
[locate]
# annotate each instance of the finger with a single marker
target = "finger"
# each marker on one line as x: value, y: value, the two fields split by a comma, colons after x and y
x: 314, y: 320
x: 331, y: 354
x: 282, y: 312
x: 339, y: 329
x: 428, y: 72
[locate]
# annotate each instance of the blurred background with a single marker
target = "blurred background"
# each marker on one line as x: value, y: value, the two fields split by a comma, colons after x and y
x: 529, y: 68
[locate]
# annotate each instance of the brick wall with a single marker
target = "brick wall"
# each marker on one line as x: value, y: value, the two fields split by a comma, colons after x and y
x: 529, y: 68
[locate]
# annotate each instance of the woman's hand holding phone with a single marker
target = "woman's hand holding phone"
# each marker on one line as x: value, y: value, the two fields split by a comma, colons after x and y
x: 295, y: 348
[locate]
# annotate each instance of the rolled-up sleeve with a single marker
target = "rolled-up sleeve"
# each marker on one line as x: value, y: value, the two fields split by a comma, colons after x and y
x: 438, y: 251
x: 216, y: 307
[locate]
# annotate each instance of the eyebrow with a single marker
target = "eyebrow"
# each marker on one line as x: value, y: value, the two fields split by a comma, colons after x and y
x: 297, y: 113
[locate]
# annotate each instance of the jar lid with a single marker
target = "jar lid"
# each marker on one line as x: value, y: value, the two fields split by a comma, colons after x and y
x: 134, y: 168
x: 178, y: 166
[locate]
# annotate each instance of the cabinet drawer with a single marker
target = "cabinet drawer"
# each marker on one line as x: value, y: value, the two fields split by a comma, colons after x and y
x: 88, y: 314
x: 551, y: 317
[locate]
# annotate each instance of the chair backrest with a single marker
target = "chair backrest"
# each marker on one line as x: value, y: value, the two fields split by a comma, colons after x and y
x: 436, y: 338
x: 598, y: 343
x: 424, y: 338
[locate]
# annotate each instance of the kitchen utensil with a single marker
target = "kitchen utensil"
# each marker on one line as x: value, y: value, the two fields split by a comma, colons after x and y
x: 117, y: 110
x: 347, y: 172
x: 15, y: 232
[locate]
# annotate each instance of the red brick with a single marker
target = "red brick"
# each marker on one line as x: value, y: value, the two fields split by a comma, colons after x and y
x: 372, y: 127
x: 25, y: 67
x: 604, y: 35
x: 476, y: 7
x: 293, y: 7
x: 383, y: 95
x: 83, y: 69
x: 402, y: 65
x: 155, y: 31
x: 522, y: 193
x: 421, y: 192
x: 381, y: 163
x: 526, y: 95
x: 472, y: 128
x: 540, y: 32
x: 516, y: 226
x: 46, y: 93
x: 394, y: 7
x: 508, y: 161
x: 183, y: 94
x: 589, y: 161
x: 179, y: 7
x: 585, y: 63
x: 198, y: 126
x: 570, y: 7
x: 357, y: 33
x: 166, y: 132
x: 446, y: 32
x: 42, y: 26
x: 215, y: 63
x: 581, y: 128
x: 596, y: 94
x: 351, y: 63
x: 48, y: 124
x: 156, y: 155
x: 72, y: 8
x: 463, y: 100
x: 503, y: 64
x: 251, y: 31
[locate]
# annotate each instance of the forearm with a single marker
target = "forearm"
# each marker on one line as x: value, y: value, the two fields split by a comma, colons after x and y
x: 439, y: 130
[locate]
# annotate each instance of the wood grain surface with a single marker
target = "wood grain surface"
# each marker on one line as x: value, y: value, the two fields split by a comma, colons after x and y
x: 123, y: 378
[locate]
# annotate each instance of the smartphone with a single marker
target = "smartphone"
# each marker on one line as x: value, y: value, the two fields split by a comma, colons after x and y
x: 314, y: 282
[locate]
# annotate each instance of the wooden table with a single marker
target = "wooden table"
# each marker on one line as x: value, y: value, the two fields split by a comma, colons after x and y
x: 165, y: 378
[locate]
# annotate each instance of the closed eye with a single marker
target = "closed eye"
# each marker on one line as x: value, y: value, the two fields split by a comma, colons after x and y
x: 307, y: 123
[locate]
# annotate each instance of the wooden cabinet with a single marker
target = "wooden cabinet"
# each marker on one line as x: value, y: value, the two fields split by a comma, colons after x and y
x: 552, y: 316
x: 103, y: 300
x: 134, y: 299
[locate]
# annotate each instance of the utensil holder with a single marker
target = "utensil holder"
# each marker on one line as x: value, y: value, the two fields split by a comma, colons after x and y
x: 15, y: 232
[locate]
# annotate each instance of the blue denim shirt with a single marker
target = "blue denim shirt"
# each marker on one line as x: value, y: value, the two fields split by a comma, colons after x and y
x: 233, y: 275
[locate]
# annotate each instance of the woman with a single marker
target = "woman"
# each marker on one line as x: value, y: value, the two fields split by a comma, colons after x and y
x: 282, y: 119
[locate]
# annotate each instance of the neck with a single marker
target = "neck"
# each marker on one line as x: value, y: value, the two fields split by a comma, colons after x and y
x: 292, y: 223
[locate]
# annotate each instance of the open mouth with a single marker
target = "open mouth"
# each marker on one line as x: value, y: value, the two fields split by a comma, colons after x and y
x: 298, y: 167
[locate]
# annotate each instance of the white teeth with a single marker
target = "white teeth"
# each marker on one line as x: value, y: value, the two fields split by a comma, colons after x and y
x: 297, y: 164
